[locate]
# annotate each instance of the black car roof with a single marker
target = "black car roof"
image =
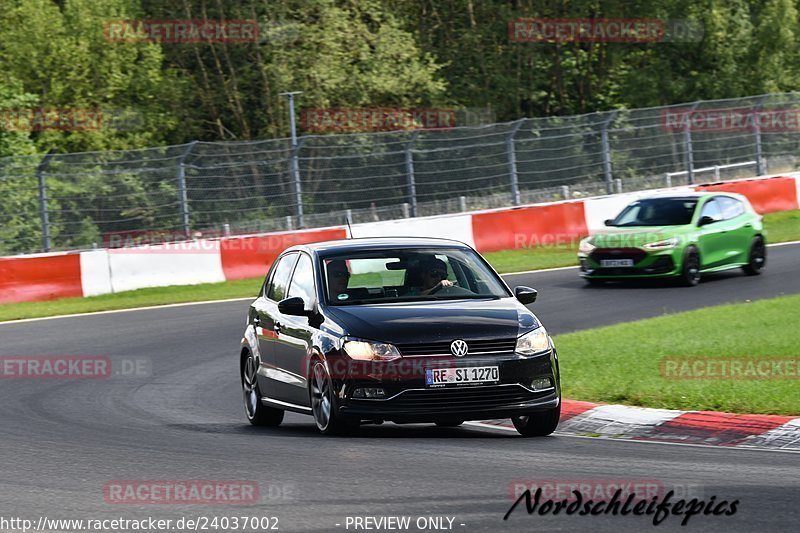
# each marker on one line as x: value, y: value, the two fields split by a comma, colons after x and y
x: 377, y: 243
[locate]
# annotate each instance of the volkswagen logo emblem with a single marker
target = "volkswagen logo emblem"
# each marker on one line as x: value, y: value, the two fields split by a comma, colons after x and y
x: 459, y: 348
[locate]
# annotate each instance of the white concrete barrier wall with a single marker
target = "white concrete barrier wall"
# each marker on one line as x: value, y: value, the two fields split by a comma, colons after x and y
x: 104, y: 271
x: 159, y: 266
x: 457, y: 227
x: 95, y: 273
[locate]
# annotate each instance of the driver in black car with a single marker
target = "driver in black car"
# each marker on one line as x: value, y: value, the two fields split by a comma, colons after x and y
x: 338, y: 278
x: 434, y: 277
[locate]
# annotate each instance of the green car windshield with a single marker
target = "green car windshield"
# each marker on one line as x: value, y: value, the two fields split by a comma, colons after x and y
x: 657, y: 212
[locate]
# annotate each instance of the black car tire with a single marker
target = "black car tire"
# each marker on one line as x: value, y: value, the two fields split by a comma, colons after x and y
x: 757, y: 260
x: 323, y: 402
x: 257, y: 413
x: 690, y: 269
x: 537, y: 424
x: 449, y: 423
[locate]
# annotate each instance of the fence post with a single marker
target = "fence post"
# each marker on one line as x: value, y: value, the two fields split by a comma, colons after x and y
x: 607, y: 152
x: 296, y: 187
x: 412, y: 184
x: 687, y: 144
x: 760, y: 167
x: 46, y: 244
x: 183, y: 197
x: 512, y: 162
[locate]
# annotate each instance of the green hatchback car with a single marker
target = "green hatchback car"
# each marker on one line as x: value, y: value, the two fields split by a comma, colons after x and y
x: 680, y: 236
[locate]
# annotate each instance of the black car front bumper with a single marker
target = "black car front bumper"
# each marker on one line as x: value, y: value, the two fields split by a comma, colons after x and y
x: 408, y: 399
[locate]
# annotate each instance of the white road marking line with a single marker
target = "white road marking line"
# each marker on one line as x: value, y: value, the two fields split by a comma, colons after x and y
x: 110, y: 311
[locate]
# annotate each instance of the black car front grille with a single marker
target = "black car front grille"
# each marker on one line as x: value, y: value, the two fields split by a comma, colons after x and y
x: 443, y: 347
x: 456, y: 398
x: 618, y: 253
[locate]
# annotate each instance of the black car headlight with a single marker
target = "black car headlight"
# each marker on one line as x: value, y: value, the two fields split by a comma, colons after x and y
x: 371, y: 351
x: 533, y: 342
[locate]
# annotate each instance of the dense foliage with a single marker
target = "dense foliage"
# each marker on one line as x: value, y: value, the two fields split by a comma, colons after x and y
x: 447, y: 54
x: 370, y: 53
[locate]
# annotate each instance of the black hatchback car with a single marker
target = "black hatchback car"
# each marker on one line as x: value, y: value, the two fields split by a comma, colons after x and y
x: 402, y: 330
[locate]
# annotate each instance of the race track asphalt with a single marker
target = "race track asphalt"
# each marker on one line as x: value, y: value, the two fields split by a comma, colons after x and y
x: 61, y: 442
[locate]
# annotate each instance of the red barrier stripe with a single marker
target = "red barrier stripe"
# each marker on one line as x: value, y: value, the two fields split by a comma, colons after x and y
x: 573, y: 408
x: 766, y: 195
x: 529, y: 226
x: 47, y: 277
x: 249, y: 257
x: 708, y: 427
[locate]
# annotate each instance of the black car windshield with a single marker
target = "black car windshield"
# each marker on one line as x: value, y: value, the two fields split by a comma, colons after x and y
x: 657, y: 212
x: 385, y: 276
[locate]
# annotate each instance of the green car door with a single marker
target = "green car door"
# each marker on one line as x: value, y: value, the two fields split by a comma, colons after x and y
x: 712, y: 236
x: 738, y: 229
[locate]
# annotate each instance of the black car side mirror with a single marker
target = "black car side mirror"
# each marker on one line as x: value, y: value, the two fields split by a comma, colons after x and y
x: 705, y: 220
x: 526, y: 295
x: 294, y: 306
x: 608, y: 221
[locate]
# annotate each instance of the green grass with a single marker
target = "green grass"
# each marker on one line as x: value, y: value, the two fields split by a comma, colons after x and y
x: 138, y: 298
x: 621, y: 363
x: 781, y: 227
x: 535, y: 258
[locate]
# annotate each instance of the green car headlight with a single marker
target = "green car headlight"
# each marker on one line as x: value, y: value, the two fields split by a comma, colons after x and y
x: 586, y: 247
x: 662, y: 245
x: 533, y: 342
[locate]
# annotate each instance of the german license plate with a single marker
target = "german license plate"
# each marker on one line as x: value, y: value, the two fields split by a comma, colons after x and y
x: 615, y: 263
x: 439, y: 377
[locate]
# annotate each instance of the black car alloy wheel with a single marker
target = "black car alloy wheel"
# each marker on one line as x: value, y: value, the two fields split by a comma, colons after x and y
x: 538, y: 424
x: 323, y: 405
x: 257, y: 413
x: 321, y: 397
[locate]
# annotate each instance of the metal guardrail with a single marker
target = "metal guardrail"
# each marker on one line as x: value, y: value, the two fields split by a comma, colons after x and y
x: 75, y: 201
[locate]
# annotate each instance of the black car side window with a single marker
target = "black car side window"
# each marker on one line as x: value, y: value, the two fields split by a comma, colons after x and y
x: 280, y: 280
x: 303, y: 280
x: 711, y: 209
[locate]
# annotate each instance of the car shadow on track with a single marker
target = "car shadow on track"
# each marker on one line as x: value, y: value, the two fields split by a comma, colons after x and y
x: 367, y: 431
x: 714, y: 277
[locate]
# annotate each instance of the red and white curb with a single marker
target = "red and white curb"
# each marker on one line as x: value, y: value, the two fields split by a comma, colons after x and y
x: 685, y: 427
